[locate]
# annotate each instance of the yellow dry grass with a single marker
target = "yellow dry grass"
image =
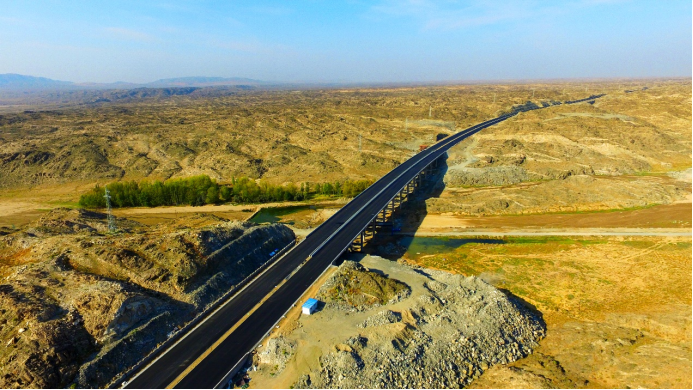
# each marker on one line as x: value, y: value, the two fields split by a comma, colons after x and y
x: 618, y: 310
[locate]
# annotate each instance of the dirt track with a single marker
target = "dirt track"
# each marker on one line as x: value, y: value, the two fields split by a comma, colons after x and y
x: 549, y: 233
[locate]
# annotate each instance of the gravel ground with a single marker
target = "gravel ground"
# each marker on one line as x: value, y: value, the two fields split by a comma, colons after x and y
x: 444, y: 334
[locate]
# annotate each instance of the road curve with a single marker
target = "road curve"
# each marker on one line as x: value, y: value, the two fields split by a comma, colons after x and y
x: 326, y: 243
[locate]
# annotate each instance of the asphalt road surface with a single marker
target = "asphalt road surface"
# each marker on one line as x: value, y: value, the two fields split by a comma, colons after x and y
x: 326, y: 243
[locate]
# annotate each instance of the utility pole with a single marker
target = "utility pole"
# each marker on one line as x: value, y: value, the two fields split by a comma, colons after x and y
x: 111, y: 220
x: 429, y: 111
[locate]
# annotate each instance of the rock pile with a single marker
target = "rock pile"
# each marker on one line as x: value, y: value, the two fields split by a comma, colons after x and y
x: 382, y: 318
x: 277, y: 352
x: 356, y: 288
x: 450, y: 334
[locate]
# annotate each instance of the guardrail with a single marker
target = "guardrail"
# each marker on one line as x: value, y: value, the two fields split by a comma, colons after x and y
x: 432, y: 150
x: 199, y: 318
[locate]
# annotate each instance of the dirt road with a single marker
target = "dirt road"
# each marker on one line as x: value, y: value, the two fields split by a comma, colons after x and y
x: 550, y: 232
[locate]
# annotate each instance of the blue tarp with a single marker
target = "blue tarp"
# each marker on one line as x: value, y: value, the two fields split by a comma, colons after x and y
x: 310, y: 303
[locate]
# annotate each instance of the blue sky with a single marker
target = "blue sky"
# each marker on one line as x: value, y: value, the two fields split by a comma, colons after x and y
x: 345, y: 41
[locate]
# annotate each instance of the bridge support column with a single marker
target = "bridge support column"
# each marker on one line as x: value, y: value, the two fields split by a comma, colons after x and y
x: 381, y: 216
x: 357, y: 244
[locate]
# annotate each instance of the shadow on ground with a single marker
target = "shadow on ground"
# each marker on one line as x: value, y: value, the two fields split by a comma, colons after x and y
x: 398, y: 237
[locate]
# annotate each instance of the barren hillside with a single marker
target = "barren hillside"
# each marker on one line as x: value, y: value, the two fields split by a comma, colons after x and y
x: 325, y: 135
x: 79, y: 305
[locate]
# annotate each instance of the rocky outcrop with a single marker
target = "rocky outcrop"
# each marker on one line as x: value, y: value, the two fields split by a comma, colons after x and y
x: 494, y: 176
x: 573, y: 193
x: 78, y: 305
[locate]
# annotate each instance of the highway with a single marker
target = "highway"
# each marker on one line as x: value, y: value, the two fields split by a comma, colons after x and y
x: 205, y: 367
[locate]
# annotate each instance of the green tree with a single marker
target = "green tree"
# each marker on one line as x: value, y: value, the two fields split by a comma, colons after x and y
x: 225, y: 193
x: 212, y: 194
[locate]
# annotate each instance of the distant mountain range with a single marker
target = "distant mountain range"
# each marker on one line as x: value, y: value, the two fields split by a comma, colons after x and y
x: 202, y: 82
x: 18, y: 82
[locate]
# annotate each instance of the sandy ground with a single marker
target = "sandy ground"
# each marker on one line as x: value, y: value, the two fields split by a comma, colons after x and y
x: 661, y: 216
x: 15, y: 212
x: 215, y: 208
x: 557, y: 232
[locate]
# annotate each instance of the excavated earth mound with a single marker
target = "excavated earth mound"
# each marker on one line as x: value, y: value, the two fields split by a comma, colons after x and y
x: 354, y: 287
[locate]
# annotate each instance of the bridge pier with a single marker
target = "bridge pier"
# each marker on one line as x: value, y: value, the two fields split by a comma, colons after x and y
x: 370, y: 225
x: 383, y: 216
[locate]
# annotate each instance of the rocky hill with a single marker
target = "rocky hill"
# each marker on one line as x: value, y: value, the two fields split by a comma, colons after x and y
x: 80, y: 306
x: 619, y: 152
x: 278, y: 136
